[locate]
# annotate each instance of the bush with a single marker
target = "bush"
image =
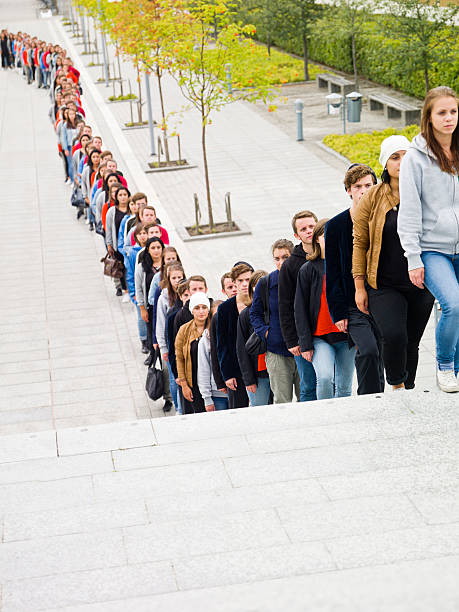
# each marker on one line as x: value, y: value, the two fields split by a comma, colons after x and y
x: 365, y: 148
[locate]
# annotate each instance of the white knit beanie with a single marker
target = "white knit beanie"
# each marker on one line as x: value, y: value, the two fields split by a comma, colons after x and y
x: 391, y: 145
x: 197, y: 299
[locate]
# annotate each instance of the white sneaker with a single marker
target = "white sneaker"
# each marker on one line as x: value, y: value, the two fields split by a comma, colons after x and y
x: 87, y: 221
x: 126, y: 298
x: 447, y: 381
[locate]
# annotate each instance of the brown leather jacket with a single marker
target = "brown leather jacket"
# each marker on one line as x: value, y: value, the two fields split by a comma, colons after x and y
x: 369, y: 223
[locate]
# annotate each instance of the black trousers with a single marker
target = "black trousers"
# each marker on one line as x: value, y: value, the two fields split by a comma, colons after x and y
x: 238, y: 398
x: 369, y: 363
x: 401, y: 317
x: 197, y: 405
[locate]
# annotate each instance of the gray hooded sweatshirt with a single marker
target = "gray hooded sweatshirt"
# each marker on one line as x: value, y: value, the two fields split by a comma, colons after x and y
x: 428, y: 219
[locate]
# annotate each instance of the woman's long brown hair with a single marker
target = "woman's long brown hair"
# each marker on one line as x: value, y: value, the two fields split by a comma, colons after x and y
x: 451, y: 166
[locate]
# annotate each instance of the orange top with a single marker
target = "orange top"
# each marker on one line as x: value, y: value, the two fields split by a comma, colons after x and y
x: 324, y: 323
x: 261, y: 363
x: 103, y: 215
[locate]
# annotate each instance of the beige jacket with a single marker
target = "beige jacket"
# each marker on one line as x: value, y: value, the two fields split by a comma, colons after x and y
x: 186, y: 334
x: 369, y: 223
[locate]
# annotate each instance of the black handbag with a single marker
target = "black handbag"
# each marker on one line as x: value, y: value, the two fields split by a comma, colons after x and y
x: 154, y: 385
x: 100, y: 229
x: 77, y: 198
x: 256, y: 345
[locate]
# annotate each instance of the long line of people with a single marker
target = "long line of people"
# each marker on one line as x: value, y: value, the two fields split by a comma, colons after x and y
x: 354, y: 295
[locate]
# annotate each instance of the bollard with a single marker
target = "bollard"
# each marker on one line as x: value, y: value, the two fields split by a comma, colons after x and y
x: 229, y: 79
x: 150, y: 114
x: 299, y: 105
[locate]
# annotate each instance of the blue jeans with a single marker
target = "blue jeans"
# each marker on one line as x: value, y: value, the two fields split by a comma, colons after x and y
x: 442, y: 280
x: 173, y: 387
x: 307, y: 380
x: 261, y: 395
x: 141, y: 325
x: 334, y: 366
x: 220, y: 403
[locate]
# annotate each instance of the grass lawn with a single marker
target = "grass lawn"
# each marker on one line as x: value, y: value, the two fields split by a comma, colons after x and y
x: 365, y: 148
x: 277, y: 69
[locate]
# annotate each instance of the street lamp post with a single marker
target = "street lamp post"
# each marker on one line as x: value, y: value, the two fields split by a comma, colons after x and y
x: 104, y: 48
x: 151, y: 127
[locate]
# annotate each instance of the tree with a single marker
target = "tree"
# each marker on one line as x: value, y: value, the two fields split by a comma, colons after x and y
x: 198, y: 64
x: 296, y: 20
x: 347, y: 18
x: 143, y: 29
x: 427, y: 32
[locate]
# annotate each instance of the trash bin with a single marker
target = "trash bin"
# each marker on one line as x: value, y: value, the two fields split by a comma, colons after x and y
x: 354, y: 106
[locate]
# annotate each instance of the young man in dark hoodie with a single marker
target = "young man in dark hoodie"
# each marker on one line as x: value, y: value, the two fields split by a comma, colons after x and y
x: 340, y: 288
x: 303, y: 224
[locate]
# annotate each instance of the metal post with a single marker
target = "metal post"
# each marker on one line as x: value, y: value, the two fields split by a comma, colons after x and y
x: 343, y: 108
x: 83, y: 29
x: 299, y: 105
x: 229, y: 78
x: 104, y: 48
x: 150, y: 114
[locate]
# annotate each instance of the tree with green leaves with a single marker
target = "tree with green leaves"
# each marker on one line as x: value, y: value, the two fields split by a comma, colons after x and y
x: 346, y: 18
x: 427, y: 33
x: 198, y: 64
x: 296, y: 20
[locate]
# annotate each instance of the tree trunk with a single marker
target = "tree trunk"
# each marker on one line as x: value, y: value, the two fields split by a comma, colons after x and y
x: 426, y: 77
x: 305, y: 57
x: 354, y: 63
x: 268, y: 44
x: 163, y: 113
x: 206, y: 173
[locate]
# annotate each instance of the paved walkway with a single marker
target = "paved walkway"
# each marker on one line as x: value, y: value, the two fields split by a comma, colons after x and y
x: 68, y: 351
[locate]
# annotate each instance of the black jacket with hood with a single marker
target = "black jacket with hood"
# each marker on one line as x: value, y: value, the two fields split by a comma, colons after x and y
x: 288, y: 275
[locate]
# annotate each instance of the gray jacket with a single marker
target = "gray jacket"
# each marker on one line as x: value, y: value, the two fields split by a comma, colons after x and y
x: 206, y: 380
x: 162, y: 307
x: 86, y: 181
x: 140, y: 281
x: 428, y: 219
x: 111, y: 235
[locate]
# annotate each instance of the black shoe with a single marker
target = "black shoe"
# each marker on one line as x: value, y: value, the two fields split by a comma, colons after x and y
x: 167, y: 406
x: 145, y: 349
x: 149, y: 360
x: 91, y: 227
x: 119, y: 292
x: 80, y: 213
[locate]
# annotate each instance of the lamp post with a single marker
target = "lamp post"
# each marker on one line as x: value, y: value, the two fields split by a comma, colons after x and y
x: 151, y: 128
x: 104, y: 48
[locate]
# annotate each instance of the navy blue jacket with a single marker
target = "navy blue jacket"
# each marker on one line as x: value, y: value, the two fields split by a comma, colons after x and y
x: 227, y: 317
x: 275, y: 341
x: 339, y: 284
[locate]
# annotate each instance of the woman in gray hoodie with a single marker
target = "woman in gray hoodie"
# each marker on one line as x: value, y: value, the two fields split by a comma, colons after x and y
x: 428, y: 223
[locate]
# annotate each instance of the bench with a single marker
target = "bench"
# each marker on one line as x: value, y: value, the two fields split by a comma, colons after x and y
x: 394, y: 108
x: 334, y: 83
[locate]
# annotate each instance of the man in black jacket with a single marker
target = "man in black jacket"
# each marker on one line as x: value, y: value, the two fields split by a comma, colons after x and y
x: 340, y: 288
x: 303, y: 224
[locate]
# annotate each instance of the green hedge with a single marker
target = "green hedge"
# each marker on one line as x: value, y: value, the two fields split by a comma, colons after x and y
x: 365, y: 148
x: 378, y: 57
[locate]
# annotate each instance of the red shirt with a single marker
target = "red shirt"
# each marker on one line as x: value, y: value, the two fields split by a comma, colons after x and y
x: 324, y: 323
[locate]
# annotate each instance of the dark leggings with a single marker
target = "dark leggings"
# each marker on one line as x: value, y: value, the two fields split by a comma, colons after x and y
x: 401, y: 317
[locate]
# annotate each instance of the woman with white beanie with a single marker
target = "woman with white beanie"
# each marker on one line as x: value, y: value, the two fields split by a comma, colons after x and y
x: 186, y: 352
x: 428, y: 224
x: 380, y: 270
